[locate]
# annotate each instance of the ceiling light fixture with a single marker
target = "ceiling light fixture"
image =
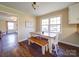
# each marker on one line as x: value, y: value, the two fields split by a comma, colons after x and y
x: 34, y: 5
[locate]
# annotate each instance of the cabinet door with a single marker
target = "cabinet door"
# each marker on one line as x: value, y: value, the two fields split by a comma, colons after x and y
x: 74, y: 14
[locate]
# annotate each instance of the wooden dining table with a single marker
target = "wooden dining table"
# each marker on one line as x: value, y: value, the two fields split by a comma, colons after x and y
x: 49, y: 39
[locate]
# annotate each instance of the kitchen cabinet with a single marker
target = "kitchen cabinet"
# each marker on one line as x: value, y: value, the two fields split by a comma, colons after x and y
x: 74, y: 14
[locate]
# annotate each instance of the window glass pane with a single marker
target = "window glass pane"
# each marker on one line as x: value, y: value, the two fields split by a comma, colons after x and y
x: 45, y: 28
x: 10, y: 25
x: 58, y: 28
x: 53, y: 21
x: 58, y: 20
x: 53, y: 28
x: 45, y: 21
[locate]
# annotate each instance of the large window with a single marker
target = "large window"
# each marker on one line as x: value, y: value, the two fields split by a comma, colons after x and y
x: 51, y: 26
x: 10, y: 25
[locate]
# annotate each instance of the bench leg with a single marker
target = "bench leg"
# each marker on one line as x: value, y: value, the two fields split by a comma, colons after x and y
x: 43, y: 50
x: 46, y: 47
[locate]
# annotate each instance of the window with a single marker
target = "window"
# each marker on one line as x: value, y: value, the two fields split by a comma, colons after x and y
x: 10, y: 25
x: 45, y: 24
x: 51, y: 26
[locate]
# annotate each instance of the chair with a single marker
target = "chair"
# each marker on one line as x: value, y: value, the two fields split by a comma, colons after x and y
x: 58, y: 37
x: 54, y: 41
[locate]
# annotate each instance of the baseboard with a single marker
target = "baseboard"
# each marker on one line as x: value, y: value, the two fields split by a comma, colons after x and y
x: 68, y: 43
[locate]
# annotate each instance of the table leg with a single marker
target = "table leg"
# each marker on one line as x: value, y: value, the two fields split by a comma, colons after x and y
x: 43, y: 50
x: 46, y: 47
x: 50, y: 46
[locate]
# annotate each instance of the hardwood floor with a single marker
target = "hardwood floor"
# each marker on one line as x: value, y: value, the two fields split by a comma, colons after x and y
x: 9, y: 47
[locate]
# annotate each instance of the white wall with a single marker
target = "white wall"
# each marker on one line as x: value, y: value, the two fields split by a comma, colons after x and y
x: 24, y: 29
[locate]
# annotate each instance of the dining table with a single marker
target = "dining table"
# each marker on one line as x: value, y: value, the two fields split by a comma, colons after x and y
x: 49, y: 38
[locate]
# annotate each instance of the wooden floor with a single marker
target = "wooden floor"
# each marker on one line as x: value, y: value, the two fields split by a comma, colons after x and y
x: 10, y: 48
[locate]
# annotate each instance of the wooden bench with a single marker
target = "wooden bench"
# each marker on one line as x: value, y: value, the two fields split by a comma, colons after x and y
x: 40, y: 42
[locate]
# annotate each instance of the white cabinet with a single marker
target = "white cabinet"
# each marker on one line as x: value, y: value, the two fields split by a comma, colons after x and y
x: 74, y: 14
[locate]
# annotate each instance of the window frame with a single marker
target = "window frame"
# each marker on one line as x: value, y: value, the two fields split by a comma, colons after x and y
x: 49, y: 24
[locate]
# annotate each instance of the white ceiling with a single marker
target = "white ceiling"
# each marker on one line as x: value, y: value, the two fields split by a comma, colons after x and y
x: 5, y: 14
x: 7, y: 17
x: 44, y: 7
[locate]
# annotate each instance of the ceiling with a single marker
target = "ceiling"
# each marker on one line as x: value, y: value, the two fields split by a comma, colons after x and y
x: 5, y: 14
x: 7, y: 17
x: 44, y: 7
